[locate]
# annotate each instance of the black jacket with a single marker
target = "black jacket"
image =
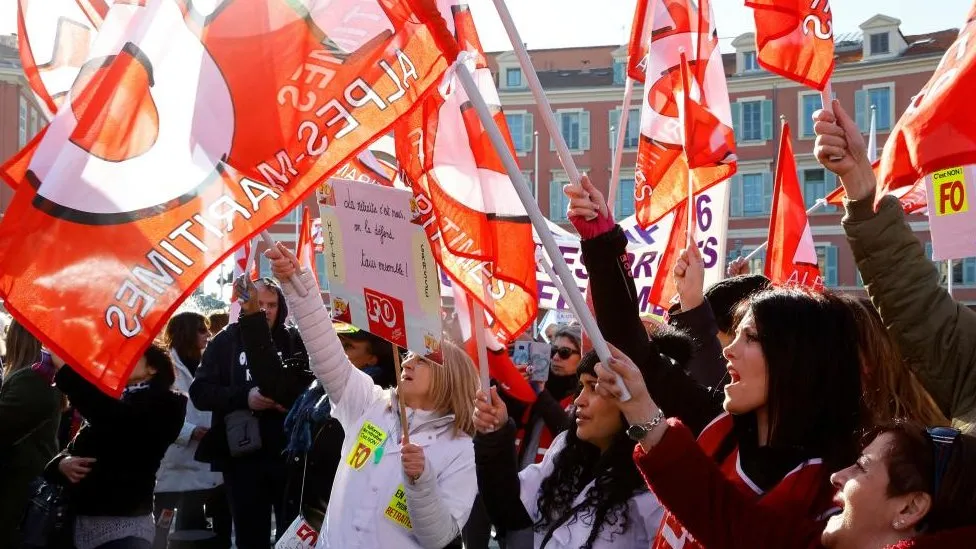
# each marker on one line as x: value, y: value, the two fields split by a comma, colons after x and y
x: 128, y: 438
x: 240, y: 357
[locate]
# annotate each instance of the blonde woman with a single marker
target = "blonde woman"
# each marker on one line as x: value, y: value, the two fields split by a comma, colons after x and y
x: 388, y: 494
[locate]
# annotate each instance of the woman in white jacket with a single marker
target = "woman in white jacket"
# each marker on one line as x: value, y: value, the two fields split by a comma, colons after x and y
x: 183, y: 482
x: 386, y: 494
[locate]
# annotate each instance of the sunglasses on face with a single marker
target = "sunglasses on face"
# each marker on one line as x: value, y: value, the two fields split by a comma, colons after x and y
x: 942, y: 439
x: 563, y: 352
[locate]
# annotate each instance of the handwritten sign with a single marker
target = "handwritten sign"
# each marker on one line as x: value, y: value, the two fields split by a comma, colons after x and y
x: 951, y: 220
x: 382, y: 275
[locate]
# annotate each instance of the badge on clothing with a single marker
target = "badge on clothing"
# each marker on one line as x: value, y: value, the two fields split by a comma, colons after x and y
x: 370, y: 438
x: 397, y: 509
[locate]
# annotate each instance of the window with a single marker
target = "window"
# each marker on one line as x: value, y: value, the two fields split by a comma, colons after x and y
x: 529, y: 181
x: 749, y: 62
x: 574, y: 125
x: 558, y: 203
x: 619, y: 72
x: 513, y: 78
x: 963, y: 270
x: 33, y: 123
x: 879, y: 43
x: 756, y: 263
x: 321, y: 273
x: 624, y: 200
x: 880, y: 99
x: 816, y: 184
x: 294, y: 215
x: 811, y: 103
x: 752, y: 120
x: 520, y: 126
x: 22, y: 128
x: 827, y: 263
x: 751, y: 194
x: 632, y: 137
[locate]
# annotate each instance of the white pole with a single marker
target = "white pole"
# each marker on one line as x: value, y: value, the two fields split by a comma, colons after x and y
x: 545, y: 110
x: 269, y: 242
x: 535, y: 172
x: 827, y: 98
x: 873, y: 136
x: 949, y: 265
x: 535, y: 214
x: 478, y: 327
x: 819, y: 204
x: 252, y: 255
x: 618, y: 153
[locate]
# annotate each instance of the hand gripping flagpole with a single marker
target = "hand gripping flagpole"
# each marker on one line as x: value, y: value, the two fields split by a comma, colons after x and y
x: 269, y: 242
x: 545, y: 110
x: 573, y: 294
x: 618, y: 152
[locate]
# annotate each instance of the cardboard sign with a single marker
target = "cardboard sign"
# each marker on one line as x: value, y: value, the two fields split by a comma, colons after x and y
x: 382, y: 274
x: 397, y: 509
x: 951, y: 219
x: 369, y: 440
x: 300, y: 535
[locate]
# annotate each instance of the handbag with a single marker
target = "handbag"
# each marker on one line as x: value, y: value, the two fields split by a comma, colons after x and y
x: 48, y: 518
x: 243, y: 433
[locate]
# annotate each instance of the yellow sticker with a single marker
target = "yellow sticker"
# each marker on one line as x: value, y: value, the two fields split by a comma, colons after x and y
x: 949, y: 188
x: 370, y: 438
x: 397, y: 510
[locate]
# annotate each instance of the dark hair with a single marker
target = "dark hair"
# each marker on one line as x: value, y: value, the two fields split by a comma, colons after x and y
x: 157, y: 357
x: 725, y: 296
x: 218, y: 321
x: 910, y: 459
x: 183, y: 334
x: 572, y: 333
x: 23, y: 349
x: 613, y: 473
x: 810, y: 345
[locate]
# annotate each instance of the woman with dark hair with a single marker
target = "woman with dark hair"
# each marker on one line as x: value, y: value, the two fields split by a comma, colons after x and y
x: 109, y: 468
x: 586, y: 493
x: 30, y: 411
x: 183, y: 483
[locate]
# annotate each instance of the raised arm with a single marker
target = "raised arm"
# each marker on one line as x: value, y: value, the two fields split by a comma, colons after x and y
x: 93, y: 404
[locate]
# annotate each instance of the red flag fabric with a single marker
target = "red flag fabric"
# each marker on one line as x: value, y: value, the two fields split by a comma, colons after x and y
x: 640, y: 39
x: 136, y: 189
x: 662, y: 167
x: 938, y: 130
x: 664, y: 291
x: 913, y: 198
x: 791, y: 258
x: 478, y: 228
x: 241, y: 255
x: 795, y: 39
x: 704, y: 147
x: 305, y: 246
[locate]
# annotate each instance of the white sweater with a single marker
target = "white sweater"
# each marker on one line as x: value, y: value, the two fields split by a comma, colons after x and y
x: 370, y: 492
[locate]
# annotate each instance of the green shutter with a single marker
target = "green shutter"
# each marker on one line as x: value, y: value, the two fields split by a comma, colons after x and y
x: 736, y: 119
x: 861, y: 110
x: 830, y: 183
x: 767, y: 192
x: 831, y: 275
x: 554, y: 190
x: 614, y: 123
x: 767, y: 119
x: 735, y: 197
x: 584, y: 139
x: 969, y: 270
x: 528, y: 137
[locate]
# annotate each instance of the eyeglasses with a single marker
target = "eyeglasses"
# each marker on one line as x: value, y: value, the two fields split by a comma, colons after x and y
x: 942, y: 439
x: 563, y: 352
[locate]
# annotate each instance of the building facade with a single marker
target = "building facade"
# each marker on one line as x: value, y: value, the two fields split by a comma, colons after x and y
x: 877, y: 68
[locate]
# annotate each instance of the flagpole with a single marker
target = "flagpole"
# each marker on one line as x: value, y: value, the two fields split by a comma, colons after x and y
x: 949, y: 286
x: 478, y: 327
x: 618, y: 153
x: 532, y: 209
x: 269, y: 242
x: 535, y: 172
x: 545, y: 109
x: 873, y: 136
x: 401, y: 405
x: 819, y: 204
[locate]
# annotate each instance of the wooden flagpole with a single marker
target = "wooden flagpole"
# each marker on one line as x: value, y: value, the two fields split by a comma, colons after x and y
x: 532, y: 209
x: 402, y: 406
x: 618, y: 152
x: 478, y: 331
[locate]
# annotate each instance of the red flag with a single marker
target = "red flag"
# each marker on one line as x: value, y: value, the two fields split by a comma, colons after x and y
x: 241, y: 255
x: 640, y: 39
x: 134, y: 190
x: 795, y: 39
x: 478, y: 228
x: 791, y: 257
x: 938, y: 130
x: 305, y: 246
x: 662, y: 168
x: 704, y: 147
x: 913, y: 198
x: 664, y: 291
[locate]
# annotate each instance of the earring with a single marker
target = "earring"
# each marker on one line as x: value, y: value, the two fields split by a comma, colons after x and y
x: 897, y: 525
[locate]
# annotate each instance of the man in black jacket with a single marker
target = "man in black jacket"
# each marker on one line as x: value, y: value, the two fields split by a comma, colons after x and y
x: 245, y: 387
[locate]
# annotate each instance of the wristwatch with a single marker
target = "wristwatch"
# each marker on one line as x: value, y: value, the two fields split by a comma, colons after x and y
x: 638, y: 431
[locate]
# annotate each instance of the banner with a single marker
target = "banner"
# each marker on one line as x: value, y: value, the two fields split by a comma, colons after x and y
x: 952, y: 215
x: 382, y: 274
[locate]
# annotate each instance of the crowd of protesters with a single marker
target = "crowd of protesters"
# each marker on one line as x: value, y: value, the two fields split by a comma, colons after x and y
x: 759, y: 417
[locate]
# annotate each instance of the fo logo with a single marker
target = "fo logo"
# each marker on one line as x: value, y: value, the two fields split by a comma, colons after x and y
x: 144, y: 126
x: 385, y: 316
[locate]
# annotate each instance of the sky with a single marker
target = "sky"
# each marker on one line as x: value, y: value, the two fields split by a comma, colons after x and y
x: 565, y: 23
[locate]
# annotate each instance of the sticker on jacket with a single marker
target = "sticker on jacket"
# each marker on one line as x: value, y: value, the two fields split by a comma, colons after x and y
x: 370, y: 438
x: 397, y: 509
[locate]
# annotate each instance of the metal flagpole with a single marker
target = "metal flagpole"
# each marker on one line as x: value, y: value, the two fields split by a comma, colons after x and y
x: 532, y: 209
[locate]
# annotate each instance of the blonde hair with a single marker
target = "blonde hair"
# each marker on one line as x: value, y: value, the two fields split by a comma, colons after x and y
x: 453, y: 386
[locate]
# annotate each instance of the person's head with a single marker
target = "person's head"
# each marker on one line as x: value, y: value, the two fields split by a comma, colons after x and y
x: 23, y: 349
x: 550, y: 331
x: 270, y: 300
x: 218, y: 321
x: 794, y: 363
x: 446, y: 388
x: 364, y: 349
x: 188, y: 333
x: 890, y: 388
x: 725, y: 296
x: 155, y: 367
x: 566, y: 351
x: 909, y: 480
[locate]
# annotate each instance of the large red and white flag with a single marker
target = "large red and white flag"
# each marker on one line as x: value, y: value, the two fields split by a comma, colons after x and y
x: 791, y: 257
x: 189, y: 129
x: 795, y: 39
x: 679, y: 26
x: 478, y: 228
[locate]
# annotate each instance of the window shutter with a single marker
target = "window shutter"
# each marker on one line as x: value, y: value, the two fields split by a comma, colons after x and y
x: 969, y: 270
x: 736, y: 119
x: 861, y: 110
x: 614, y: 123
x: 735, y: 197
x: 767, y: 119
x: 831, y: 275
x: 554, y: 190
x: 767, y: 192
x: 528, y: 139
x: 320, y: 272
x: 830, y: 183
x: 584, y: 130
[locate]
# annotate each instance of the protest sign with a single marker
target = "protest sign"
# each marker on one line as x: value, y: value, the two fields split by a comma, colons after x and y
x: 952, y: 216
x: 382, y: 275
